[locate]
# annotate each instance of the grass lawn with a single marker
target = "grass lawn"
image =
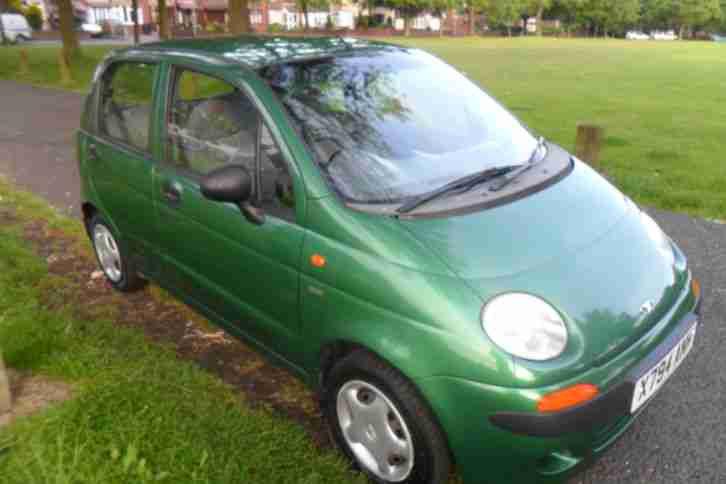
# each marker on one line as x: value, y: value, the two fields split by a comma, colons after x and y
x: 659, y: 102
x: 138, y: 413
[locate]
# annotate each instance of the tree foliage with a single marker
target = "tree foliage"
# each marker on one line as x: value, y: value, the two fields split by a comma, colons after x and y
x: 505, y: 13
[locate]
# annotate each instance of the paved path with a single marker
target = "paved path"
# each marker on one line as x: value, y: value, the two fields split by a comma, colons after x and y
x: 681, y: 437
x: 37, y: 142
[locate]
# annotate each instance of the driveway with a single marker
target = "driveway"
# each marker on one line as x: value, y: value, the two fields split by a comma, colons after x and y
x: 679, y: 437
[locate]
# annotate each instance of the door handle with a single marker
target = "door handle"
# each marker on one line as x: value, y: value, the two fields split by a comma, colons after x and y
x: 172, y: 192
x: 92, y: 152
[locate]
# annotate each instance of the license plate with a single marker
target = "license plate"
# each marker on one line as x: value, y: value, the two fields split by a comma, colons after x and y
x: 648, y: 384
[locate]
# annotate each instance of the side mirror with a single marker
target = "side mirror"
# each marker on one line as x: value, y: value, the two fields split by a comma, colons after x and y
x: 232, y: 184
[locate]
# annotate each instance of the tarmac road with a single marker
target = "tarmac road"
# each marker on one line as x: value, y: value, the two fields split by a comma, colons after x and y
x: 680, y: 437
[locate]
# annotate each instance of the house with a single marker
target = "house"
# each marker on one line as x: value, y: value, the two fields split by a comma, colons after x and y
x: 117, y: 12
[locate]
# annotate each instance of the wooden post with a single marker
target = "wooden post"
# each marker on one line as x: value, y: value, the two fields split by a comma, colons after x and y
x: 24, y: 64
x: 5, y: 401
x: 589, y: 140
x: 65, y: 68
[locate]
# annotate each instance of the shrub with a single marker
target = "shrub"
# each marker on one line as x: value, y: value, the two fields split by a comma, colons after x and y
x: 274, y: 28
x: 553, y: 31
x: 215, y: 27
x: 362, y: 22
x: 329, y: 23
x: 34, y: 15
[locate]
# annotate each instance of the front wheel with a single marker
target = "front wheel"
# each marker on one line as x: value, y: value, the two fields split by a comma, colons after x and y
x: 379, y: 420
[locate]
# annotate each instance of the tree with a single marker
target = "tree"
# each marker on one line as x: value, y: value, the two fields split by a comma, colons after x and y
x: 538, y: 7
x: 439, y: 7
x: 163, y: 16
x: 623, y: 14
x: 67, y: 27
x: 658, y: 14
x: 505, y: 13
x: 474, y: 7
x: 35, y: 17
x: 239, y: 16
x: 696, y: 13
x: 408, y: 9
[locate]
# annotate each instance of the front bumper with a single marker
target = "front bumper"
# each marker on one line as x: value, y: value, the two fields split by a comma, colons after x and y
x: 597, y: 413
x: 496, y: 434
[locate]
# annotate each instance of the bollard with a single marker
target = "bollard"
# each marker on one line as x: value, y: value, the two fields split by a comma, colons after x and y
x: 24, y: 64
x: 65, y: 68
x: 5, y: 401
x: 588, y: 142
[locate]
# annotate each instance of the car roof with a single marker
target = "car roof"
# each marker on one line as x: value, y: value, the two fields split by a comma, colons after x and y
x: 256, y: 51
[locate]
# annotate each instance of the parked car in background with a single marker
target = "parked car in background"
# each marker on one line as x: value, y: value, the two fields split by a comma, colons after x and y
x: 456, y: 288
x: 94, y: 30
x: 15, y: 28
x: 113, y: 27
x: 637, y: 35
x: 664, y: 35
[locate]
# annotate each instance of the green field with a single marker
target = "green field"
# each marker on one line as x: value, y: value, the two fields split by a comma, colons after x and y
x: 661, y: 105
x: 659, y: 102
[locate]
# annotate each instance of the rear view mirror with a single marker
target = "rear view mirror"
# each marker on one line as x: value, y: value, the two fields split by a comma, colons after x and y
x: 232, y: 184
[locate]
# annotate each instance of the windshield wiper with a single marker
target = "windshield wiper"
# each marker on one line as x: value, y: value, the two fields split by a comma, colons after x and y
x: 459, y: 185
x: 533, y: 160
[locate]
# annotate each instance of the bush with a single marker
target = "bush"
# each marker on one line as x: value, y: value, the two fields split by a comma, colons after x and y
x: 215, y: 27
x: 553, y: 31
x: 34, y: 15
x: 275, y: 28
x: 329, y: 23
x: 362, y: 22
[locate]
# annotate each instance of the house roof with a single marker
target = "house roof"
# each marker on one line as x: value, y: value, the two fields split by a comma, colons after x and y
x: 256, y: 51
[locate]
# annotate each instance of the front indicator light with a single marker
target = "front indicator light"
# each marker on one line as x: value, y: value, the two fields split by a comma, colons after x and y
x: 696, y: 287
x: 567, y: 398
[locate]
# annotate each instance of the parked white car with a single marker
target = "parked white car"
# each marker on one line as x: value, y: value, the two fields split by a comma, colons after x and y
x: 664, y: 35
x: 637, y: 35
x: 94, y: 30
x: 15, y: 28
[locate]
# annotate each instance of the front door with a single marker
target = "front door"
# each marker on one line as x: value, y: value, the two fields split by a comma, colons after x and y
x: 119, y: 155
x: 243, y: 273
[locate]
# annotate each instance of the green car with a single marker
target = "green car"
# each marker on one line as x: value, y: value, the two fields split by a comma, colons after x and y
x: 460, y: 292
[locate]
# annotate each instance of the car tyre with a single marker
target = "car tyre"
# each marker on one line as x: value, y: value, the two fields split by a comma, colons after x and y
x: 362, y: 387
x: 111, y: 257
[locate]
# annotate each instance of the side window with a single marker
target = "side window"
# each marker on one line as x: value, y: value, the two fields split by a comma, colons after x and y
x: 211, y: 123
x: 126, y: 103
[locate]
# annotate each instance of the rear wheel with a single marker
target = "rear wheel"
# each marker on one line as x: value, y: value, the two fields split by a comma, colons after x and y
x: 115, y: 265
x: 378, y: 419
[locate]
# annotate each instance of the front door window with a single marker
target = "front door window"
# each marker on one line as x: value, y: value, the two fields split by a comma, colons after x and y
x: 212, y: 124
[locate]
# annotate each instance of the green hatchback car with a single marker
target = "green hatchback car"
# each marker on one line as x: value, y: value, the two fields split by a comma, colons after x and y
x: 459, y: 291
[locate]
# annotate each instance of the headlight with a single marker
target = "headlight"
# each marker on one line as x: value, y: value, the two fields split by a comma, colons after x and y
x: 525, y: 326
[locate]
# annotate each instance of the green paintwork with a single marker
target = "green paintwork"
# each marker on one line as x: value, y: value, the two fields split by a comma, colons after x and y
x: 410, y: 289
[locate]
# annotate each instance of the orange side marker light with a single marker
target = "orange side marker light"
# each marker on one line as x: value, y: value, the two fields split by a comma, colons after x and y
x: 317, y: 260
x: 696, y: 286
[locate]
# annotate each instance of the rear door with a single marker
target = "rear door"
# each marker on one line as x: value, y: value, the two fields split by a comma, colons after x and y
x: 118, y: 156
x: 246, y: 274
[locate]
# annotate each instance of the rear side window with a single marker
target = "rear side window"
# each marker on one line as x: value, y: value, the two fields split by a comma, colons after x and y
x: 126, y: 103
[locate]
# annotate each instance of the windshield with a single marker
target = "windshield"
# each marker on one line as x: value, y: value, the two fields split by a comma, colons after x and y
x: 392, y: 124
